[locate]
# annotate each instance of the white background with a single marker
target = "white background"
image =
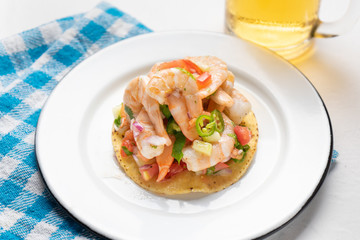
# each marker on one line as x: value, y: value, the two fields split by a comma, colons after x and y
x: 334, y: 69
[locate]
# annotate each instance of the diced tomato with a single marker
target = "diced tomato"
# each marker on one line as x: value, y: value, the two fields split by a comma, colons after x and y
x: 220, y: 166
x: 128, y: 142
x: 129, y: 146
x: 181, y: 63
x: 203, y: 80
x: 129, y: 135
x: 149, y: 171
x: 176, y: 168
x: 193, y: 68
x: 243, y: 134
x: 188, y: 142
x: 175, y: 63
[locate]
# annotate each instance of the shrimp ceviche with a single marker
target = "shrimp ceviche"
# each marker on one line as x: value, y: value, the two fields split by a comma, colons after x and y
x: 184, y: 127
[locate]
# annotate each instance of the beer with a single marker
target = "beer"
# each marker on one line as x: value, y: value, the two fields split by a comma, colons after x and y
x: 285, y: 26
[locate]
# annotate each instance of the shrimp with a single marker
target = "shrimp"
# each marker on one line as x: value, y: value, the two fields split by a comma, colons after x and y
x: 192, y: 99
x: 164, y: 82
x: 217, y: 69
x: 177, y: 107
x: 213, y: 105
x: 180, y: 63
x: 228, y: 85
x: 135, y: 97
x: 153, y: 109
x: 140, y: 159
x: 149, y: 144
x: 156, y: 68
x: 164, y: 161
x: 222, y: 98
x: 221, y: 151
x: 240, y: 108
x: 219, y: 100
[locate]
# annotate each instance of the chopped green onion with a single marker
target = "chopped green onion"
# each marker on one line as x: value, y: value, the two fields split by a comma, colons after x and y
x: 244, y: 148
x: 240, y: 160
x: 165, y: 110
x: 129, y: 112
x: 186, y: 72
x: 205, y: 125
x: 237, y: 143
x: 233, y: 135
x: 178, y: 146
x: 172, y: 127
x: 202, y: 147
x: 127, y: 152
x: 117, y: 121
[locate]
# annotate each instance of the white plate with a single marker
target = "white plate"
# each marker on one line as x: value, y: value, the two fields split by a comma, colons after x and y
x: 75, y: 156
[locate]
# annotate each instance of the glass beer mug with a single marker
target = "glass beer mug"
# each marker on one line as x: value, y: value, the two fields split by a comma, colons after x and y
x: 284, y: 26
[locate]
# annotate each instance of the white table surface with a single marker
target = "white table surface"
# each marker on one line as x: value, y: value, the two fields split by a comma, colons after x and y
x: 334, y: 69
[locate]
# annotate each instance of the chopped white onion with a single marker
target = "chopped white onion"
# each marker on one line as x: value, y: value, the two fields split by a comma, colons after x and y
x: 223, y: 172
x: 138, y: 126
x: 144, y: 167
x: 134, y: 126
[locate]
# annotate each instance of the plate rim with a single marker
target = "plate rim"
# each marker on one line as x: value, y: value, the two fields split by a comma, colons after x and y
x: 176, y: 32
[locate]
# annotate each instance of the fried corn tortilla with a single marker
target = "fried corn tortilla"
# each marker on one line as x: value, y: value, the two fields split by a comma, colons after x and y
x: 187, y: 181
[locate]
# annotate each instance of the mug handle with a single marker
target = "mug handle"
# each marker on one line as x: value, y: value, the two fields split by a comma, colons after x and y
x: 341, y: 26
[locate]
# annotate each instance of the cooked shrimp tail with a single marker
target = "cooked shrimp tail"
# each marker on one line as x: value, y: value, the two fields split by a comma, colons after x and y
x: 164, y: 162
x: 178, y: 109
x: 153, y: 109
x: 222, y: 98
x: 240, y: 108
x: 136, y: 98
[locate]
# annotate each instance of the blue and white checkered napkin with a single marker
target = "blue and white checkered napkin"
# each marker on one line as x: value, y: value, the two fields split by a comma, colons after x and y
x: 31, y: 64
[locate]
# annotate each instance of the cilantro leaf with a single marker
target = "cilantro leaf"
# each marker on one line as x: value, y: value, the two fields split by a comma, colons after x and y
x: 117, y: 121
x: 172, y: 127
x: 127, y: 152
x: 178, y: 146
x: 165, y: 110
x: 129, y: 112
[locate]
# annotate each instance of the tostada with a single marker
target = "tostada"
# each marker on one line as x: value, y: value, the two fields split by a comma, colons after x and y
x: 184, y: 128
